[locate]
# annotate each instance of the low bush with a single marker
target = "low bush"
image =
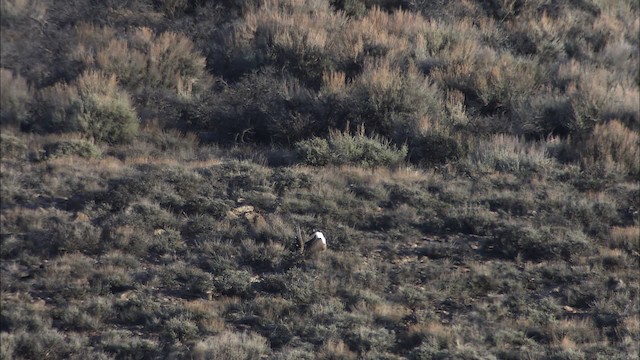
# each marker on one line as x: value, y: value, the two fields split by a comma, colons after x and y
x: 512, y: 240
x: 48, y: 342
x: 232, y: 346
x: 15, y: 98
x: 232, y: 282
x: 342, y: 148
x: 179, y: 329
x: 388, y: 101
x: 509, y: 154
x: 364, y: 339
x: 80, y: 148
x: 126, y: 344
x: 93, y: 105
x: 8, y: 344
x: 263, y: 107
x: 612, y: 147
x: 144, y: 61
x: 436, y: 148
x: 12, y: 146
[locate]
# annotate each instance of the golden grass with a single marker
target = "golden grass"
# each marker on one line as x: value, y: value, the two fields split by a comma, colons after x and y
x: 390, y: 311
x: 70, y: 268
x: 614, y: 147
x: 34, y: 217
x: 336, y: 349
x: 231, y: 345
x: 567, y: 344
x: 445, y: 335
x: 401, y: 35
x: 625, y: 233
x: 632, y: 325
x: 569, y: 332
x: 144, y: 58
x: 507, y: 152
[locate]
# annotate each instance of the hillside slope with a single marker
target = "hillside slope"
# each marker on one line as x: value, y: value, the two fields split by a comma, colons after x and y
x: 472, y: 164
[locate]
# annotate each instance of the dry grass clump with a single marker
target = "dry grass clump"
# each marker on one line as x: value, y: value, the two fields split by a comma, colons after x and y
x: 509, y: 153
x: 343, y: 148
x: 613, y: 147
x: 336, y: 349
x: 17, y: 10
x: 93, y: 105
x: 389, y: 101
x: 144, y: 60
x: 598, y: 94
x: 495, y: 81
x: 15, y: 98
x: 231, y: 345
x: 626, y: 238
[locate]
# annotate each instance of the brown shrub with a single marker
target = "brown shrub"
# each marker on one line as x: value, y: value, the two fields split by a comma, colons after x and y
x: 144, y: 60
x: 613, y: 147
x: 15, y: 98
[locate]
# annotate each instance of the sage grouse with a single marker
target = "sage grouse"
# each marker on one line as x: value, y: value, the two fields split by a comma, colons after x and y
x: 316, y: 244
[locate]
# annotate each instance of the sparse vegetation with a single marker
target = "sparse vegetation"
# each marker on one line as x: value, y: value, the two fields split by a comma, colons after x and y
x: 480, y: 198
x: 342, y: 148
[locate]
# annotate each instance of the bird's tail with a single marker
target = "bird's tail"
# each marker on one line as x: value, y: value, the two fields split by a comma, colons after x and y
x: 299, y: 238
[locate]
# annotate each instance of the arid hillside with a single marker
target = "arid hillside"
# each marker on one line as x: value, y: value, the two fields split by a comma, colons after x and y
x: 473, y: 165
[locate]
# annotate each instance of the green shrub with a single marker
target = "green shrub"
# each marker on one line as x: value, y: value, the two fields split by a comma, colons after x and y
x: 296, y: 353
x: 388, y: 101
x: 233, y: 282
x: 493, y: 82
x: 20, y: 314
x: 264, y: 107
x: 364, y: 339
x: 73, y: 318
x: 107, y: 114
x: 314, y: 151
x: 80, y: 148
x: 167, y: 241
x: 138, y: 310
x: 93, y: 105
x: 343, y: 148
x: 435, y: 148
x: 125, y: 190
x: 55, y: 233
x: 179, y: 329
x: 187, y: 280
x: 470, y: 220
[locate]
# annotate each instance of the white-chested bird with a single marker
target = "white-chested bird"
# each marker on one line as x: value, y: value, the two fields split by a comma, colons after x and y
x: 316, y: 244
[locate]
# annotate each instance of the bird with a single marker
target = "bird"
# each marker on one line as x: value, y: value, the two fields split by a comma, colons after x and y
x: 317, y: 243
